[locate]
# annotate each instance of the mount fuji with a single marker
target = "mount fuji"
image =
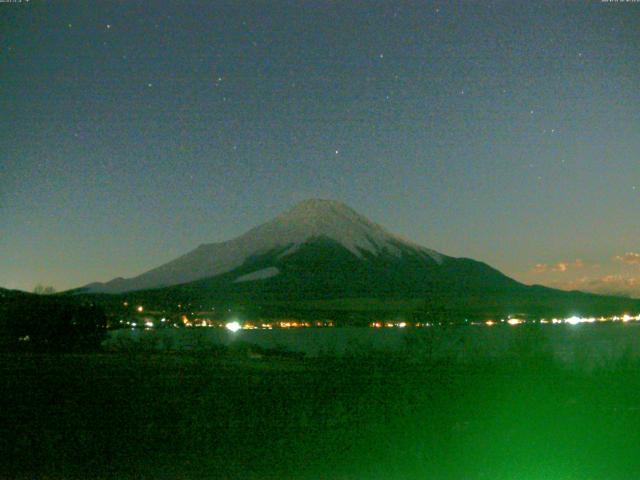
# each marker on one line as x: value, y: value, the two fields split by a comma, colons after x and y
x: 322, y: 250
x: 266, y: 251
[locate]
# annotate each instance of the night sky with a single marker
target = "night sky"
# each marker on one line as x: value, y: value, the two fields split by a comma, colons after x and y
x: 508, y: 132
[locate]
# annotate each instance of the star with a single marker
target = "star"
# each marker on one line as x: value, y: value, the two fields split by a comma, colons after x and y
x: 149, y: 84
x: 108, y: 26
x: 337, y: 152
x: 381, y: 55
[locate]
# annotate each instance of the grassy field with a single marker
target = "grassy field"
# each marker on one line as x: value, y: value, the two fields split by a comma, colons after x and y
x: 223, y: 415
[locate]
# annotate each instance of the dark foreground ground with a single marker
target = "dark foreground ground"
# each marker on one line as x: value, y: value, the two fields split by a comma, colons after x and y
x: 166, y: 416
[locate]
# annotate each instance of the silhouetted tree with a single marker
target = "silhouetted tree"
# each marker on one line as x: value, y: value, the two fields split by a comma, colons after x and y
x: 42, y: 290
x: 52, y: 324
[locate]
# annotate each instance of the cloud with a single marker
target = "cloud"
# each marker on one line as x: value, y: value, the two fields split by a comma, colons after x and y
x: 577, y: 275
x: 540, y: 268
x: 578, y: 263
x: 629, y: 258
x: 559, y: 267
x: 607, y: 285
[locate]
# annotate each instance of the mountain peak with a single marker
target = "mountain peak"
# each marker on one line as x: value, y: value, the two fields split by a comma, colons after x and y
x: 336, y: 221
x: 319, y: 205
x: 316, y: 210
x: 308, y: 220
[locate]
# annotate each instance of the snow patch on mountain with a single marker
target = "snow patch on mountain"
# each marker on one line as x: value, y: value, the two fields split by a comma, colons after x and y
x: 258, y: 275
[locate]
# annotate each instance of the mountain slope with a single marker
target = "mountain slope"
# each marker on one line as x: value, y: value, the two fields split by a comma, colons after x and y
x: 286, y: 233
x: 322, y: 279
x: 321, y: 255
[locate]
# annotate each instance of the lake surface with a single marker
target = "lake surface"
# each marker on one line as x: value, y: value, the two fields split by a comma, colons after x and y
x: 593, y: 342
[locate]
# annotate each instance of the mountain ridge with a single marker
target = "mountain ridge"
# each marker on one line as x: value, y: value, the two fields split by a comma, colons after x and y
x: 306, y: 220
x: 322, y: 257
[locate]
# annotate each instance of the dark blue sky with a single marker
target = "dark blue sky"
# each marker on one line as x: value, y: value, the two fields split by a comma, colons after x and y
x: 505, y: 131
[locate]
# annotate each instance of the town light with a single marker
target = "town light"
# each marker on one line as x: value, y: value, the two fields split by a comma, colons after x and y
x: 233, y: 326
x: 573, y: 320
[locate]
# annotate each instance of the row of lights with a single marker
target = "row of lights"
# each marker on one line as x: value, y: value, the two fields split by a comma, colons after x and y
x: 574, y: 320
x: 234, y: 326
x: 390, y: 324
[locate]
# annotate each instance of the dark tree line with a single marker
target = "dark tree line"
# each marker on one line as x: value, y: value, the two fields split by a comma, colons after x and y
x: 49, y: 323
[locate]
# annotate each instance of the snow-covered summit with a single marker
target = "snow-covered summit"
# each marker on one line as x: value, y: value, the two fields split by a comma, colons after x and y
x: 310, y: 219
x: 336, y: 221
